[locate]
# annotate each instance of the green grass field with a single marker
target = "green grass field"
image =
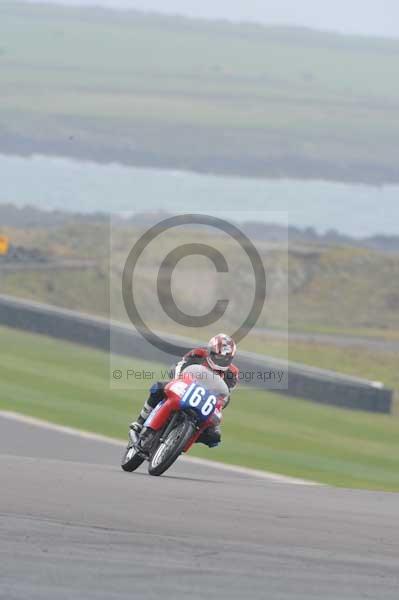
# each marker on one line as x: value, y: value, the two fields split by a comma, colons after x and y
x: 210, y: 96
x: 69, y: 384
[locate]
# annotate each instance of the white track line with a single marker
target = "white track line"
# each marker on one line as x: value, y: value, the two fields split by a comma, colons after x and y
x: 116, y: 442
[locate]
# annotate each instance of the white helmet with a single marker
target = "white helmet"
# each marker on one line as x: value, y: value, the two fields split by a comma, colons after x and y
x: 221, y: 351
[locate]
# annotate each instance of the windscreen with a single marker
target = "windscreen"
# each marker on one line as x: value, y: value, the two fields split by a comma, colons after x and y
x: 208, y: 379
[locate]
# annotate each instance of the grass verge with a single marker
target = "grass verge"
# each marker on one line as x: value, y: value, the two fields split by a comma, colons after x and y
x: 357, y: 361
x: 68, y: 384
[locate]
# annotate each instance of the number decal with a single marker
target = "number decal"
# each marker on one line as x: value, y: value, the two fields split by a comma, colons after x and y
x: 196, y: 396
x: 209, y: 406
x: 199, y: 398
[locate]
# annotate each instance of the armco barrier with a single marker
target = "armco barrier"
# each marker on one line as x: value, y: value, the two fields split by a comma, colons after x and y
x: 326, y: 387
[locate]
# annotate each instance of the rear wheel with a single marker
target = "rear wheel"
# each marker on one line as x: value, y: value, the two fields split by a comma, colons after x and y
x: 167, y: 452
x: 131, y: 460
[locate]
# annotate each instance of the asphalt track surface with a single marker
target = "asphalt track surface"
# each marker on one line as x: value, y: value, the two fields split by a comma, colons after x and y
x: 73, y: 526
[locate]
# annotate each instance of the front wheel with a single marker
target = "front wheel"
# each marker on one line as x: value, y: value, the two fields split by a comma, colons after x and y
x: 171, y: 448
x: 131, y: 460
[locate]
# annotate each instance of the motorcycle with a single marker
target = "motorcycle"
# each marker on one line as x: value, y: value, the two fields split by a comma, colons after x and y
x: 190, y: 406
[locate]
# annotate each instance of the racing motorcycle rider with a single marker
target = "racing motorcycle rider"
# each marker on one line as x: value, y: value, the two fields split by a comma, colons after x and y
x: 218, y: 357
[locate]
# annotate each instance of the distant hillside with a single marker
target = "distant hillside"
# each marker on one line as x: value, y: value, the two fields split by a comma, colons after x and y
x: 32, y: 217
x: 205, y: 96
x: 339, y: 287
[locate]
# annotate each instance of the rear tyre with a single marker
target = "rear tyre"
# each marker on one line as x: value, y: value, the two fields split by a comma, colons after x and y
x: 131, y: 460
x: 169, y: 451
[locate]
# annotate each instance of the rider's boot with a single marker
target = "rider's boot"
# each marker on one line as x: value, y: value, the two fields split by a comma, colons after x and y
x: 156, y: 395
x: 137, y: 426
x: 211, y: 436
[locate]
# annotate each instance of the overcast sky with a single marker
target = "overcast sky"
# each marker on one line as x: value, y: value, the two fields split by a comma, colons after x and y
x: 375, y: 17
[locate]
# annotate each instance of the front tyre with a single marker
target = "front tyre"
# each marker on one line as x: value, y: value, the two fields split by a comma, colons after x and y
x: 131, y: 460
x: 169, y: 451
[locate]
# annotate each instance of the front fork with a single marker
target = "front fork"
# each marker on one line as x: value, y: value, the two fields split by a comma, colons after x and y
x: 139, y: 441
x: 175, y: 417
x: 135, y: 442
x: 194, y: 438
x: 171, y: 424
x: 215, y: 420
x: 169, y: 427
